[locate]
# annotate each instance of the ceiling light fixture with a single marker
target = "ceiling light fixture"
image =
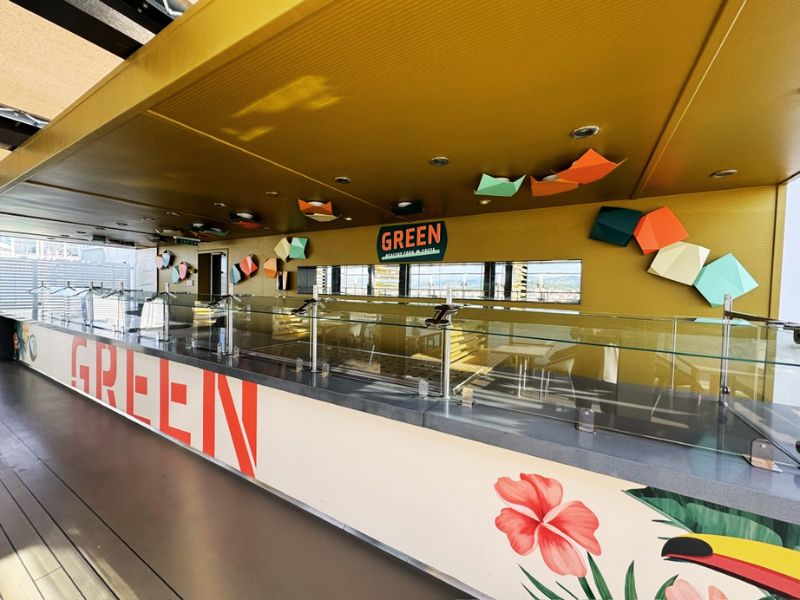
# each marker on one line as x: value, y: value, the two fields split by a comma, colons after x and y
x: 342, y: 179
x: 348, y: 218
x: 484, y: 201
x: 220, y: 204
x: 121, y: 224
x: 404, y: 204
x: 64, y: 235
x: 244, y: 214
x: 148, y: 219
x: 198, y: 224
x: 271, y: 194
x: 316, y: 203
x: 172, y: 213
x: 440, y: 161
x: 586, y: 131
x: 723, y: 173
x: 407, y: 207
x: 100, y: 228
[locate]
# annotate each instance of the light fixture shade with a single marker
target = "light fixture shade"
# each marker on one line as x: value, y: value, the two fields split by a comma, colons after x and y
x: 679, y: 262
x: 551, y: 187
x: 236, y: 274
x: 590, y: 167
x: 723, y: 276
x: 307, y: 208
x: 658, y: 229
x: 298, y: 247
x: 411, y: 208
x: 283, y: 248
x: 615, y: 225
x: 501, y: 187
x: 271, y: 267
x: 248, y: 265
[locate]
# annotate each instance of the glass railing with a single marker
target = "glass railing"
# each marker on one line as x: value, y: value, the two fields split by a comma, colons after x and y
x: 717, y: 383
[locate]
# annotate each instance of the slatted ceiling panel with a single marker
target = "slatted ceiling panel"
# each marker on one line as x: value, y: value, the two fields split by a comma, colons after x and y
x: 152, y: 161
x: 384, y: 89
x: 746, y: 114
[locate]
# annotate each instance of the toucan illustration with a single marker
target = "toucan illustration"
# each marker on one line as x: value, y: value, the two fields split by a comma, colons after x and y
x: 768, y: 566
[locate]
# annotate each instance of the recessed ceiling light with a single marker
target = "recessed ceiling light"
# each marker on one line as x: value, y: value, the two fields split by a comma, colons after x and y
x: 271, y: 194
x: 220, y: 204
x: 100, y: 228
x: 440, y: 161
x: 586, y: 131
x: 342, y: 179
x: 64, y: 235
x: 121, y: 224
x: 81, y: 232
x: 348, y: 218
x: 484, y: 201
x: 244, y: 214
x: 723, y: 173
x: 172, y: 213
x: 265, y: 228
x: 404, y: 204
x: 148, y: 219
x: 198, y: 224
x: 316, y: 203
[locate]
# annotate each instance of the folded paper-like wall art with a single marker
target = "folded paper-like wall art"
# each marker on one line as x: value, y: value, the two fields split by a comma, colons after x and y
x: 282, y: 248
x: 183, y: 270
x: 498, y: 186
x: 271, y: 268
x: 236, y: 274
x: 723, y: 276
x: 176, y: 276
x: 658, y: 229
x: 316, y: 210
x: 615, y: 225
x: 297, y: 247
x: 590, y: 167
x: 679, y: 262
x: 283, y: 280
x: 248, y: 265
x: 166, y: 259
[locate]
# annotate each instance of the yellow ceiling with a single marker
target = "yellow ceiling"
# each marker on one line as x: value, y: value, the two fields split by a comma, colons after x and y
x: 217, y: 110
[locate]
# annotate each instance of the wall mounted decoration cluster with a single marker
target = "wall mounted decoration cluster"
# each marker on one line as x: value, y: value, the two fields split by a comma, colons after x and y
x: 316, y: 210
x: 590, y: 167
x: 662, y: 232
x: 244, y: 269
x: 181, y: 272
x: 292, y: 248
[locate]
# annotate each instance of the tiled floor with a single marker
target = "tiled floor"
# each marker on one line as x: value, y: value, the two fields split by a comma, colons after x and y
x: 93, y: 506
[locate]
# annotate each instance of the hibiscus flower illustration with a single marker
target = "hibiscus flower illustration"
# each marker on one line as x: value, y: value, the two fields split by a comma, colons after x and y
x: 536, y: 517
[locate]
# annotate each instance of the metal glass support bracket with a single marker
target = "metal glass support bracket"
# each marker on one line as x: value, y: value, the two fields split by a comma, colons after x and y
x: 309, y: 309
x: 585, y: 421
x: 724, y: 390
x: 442, y: 320
x: 762, y: 455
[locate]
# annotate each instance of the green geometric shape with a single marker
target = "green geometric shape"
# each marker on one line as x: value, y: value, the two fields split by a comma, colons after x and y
x: 615, y: 225
x: 297, y: 248
x: 498, y: 186
x: 176, y: 274
x: 725, y: 275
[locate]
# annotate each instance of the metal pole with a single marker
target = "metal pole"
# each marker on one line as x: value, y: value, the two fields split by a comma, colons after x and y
x: 672, y: 367
x: 313, y: 340
x: 229, y: 322
x: 446, y: 353
x: 90, y: 305
x: 724, y: 390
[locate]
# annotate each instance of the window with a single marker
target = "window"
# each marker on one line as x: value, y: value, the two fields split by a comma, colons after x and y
x: 546, y: 282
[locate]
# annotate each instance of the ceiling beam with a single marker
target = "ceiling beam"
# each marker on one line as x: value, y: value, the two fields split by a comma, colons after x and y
x: 83, y: 24
x: 715, y: 40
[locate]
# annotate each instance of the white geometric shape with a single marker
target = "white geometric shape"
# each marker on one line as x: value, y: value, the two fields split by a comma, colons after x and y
x: 679, y: 262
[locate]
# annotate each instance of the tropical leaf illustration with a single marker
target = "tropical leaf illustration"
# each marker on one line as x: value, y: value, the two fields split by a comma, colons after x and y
x: 698, y: 516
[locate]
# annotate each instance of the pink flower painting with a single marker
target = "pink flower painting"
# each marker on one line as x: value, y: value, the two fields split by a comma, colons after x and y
x: 537, y: 517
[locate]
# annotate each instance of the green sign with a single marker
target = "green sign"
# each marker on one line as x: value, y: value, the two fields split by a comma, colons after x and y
x: 417, y: 242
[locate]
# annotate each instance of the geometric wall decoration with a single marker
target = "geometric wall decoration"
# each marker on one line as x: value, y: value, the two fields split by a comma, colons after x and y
x: 248, y: 265
x: 297, y: 248
x: 589, y: 168
x: 183, y: 270
x: 679, y: 262
x: 283, y: 248
x: 236, y: 274
x: 166, y: 259
x: 551, y: 185
x: 317, y: 210
x: 615, y: 225
x: 725, y: 275
x: 658, y: 229
x: 283, y: 280
x: 498, y: 186
x: 271, y: 267
x: 176, y: 276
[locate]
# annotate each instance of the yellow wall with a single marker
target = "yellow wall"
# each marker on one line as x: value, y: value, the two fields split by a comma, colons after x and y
x: 614, y: 279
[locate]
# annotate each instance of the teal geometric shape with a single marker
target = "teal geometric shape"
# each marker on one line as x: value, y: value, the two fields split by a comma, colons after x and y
x: 236, y: 274
x: 297, y: 248
x: 615, y: 225
x: 176, y: 275
x: 725, y: 275
x: 498, y: 186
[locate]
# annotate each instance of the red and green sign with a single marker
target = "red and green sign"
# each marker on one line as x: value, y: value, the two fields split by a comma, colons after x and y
x: 416, y: 242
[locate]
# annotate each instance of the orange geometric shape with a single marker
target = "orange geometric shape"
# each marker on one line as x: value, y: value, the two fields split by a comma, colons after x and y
x: 588, y: 168
x: 551, y: 185
x: 308, y: 208
x: 658, y: 229
x: 248, y: 265
x: 271, y: 268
